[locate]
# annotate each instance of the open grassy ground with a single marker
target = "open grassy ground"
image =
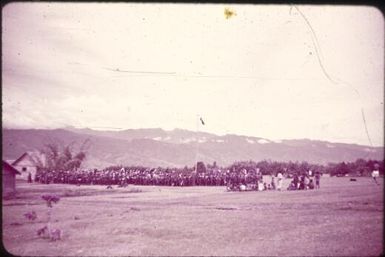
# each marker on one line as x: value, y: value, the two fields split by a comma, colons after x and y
x: 342, y: 218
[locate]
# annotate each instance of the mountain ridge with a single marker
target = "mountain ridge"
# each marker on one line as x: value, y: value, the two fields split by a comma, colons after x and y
x: 179, y: 147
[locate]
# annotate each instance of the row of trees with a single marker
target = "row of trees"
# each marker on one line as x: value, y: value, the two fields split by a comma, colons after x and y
x: 65, y: 158
x: 70, y: 158
x: 360, y: 167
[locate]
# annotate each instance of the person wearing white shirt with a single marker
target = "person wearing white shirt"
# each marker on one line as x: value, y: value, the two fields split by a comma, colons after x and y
x: 279, y: 181
x: 375, y: 175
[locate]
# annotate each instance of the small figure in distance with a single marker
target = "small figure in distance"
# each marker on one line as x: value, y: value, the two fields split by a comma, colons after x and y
x: 272, y: 182
x: 292, y: 186
x: 317, y: 179
x: 376, y: 173
x: 296, y: 181
x: 302, y: 185
x: 260, y: 186
x: 306, y: 181
x: 311, y: 184
x: 279, y: 180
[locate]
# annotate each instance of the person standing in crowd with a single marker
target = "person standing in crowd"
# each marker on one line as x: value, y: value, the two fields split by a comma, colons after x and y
x: 296, y: 181
x: 302, y: 182
x: 292, y: 186
x: 279, y: 181
x: 260, y: 185
x: 29, y: 177
x: 375, y: 173
x: 264, y: 186
x: 306, y: 181
x: 311, y: 184
x: 272, y: 183
x: 317, y: 177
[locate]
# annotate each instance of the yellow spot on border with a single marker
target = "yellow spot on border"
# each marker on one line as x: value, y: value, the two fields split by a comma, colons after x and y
x: 229, y: 13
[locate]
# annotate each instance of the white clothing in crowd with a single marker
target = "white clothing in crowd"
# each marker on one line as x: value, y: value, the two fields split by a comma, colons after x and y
x: 375, y: 173
x: 279, y: 180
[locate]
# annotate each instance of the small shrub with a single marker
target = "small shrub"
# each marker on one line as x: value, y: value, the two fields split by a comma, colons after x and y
x: 56, y: 234
x: 30, y: 215
x: 43, y: 232
x: 50, y: 199
x: 46, y: 231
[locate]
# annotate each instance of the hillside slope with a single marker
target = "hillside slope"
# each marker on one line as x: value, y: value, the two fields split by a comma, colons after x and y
x: 157, y: 147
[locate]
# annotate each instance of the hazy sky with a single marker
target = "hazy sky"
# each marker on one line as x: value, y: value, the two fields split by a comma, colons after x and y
x: 277, y: 72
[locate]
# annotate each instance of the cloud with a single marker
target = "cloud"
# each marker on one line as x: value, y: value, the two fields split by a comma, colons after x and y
x: 256, y: 74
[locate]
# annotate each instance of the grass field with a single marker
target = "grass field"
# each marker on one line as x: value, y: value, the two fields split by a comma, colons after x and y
x: 342, y: 218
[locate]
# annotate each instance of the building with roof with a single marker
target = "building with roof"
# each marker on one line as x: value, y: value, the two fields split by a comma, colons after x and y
x: 27, y: 164
x: 9, y: 179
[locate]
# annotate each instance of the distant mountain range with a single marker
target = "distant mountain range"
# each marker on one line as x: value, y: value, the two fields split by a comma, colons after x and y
x: 177, y: 148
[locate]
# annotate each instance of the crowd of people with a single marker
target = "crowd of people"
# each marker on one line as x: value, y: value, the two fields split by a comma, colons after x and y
x: 235, y: 179
x: 304, y: 182
x: 239, y: 176
x: 134, y: 175
x: 299, y: 182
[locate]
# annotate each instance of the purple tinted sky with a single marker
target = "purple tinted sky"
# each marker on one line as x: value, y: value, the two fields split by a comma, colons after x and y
x: 269, y: 71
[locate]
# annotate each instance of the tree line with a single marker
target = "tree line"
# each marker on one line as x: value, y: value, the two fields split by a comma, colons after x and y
x: 65, y: 158
x: 360, y: 167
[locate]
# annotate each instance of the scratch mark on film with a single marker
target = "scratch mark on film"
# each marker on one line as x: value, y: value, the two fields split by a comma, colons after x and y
x: 317, y: 49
